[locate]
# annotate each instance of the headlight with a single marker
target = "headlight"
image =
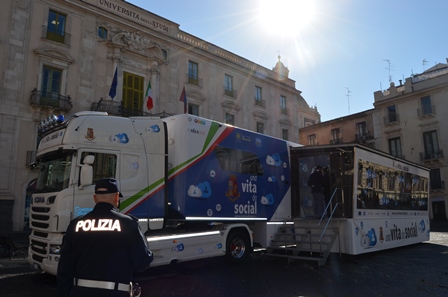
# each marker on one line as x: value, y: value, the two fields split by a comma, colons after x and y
x: 51, y: 199
x: 55, y: 249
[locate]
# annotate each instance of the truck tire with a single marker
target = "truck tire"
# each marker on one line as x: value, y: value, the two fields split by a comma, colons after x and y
x: 238, y: 246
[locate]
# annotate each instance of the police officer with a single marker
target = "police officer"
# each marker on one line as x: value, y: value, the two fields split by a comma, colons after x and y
x: 102, y: 249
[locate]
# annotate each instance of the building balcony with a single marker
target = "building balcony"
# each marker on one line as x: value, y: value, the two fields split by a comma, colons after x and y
x: 56, y: 35
x: 284, y: 110
x: 336, y: 140
x: 424, y: 156
x: 116, y: 108
x: 260, y: 102
x: 44, y: 99
x: 392, y: 119
x: 426, y: 112
x: 194, y: 80
x: 230, y: 92
x: 363, y: 137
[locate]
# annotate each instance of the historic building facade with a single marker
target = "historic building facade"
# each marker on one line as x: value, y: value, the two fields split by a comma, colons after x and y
x: 357, y: 127
x: 410, y: 124
x: 65, y: 56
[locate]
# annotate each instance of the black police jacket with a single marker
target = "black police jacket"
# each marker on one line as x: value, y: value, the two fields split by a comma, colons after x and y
x: 103, y: 245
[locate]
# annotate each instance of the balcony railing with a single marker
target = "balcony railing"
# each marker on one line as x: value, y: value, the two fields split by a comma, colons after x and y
x: 116, y: 108
x: 336, y: 141
x: 363, y: 137
x: 260, y: 102
x: 284, y: 111
x: 230, y: 92
x: 391, y: 119
x: 426, y: 112
x: 424, y: 156
x: 194, y: 80
x: 50, y: 100
x: 56, y: 35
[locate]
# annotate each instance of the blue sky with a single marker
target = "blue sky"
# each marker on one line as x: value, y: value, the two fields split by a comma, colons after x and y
x: 336, y: 48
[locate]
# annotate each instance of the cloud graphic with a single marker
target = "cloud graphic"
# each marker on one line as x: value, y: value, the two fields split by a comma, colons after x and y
x: 271, y: 179
x: 365, y: 241
x: 194, y: 191
x: 369, y: 240
x: 270, y: 160
x: 153, y: 128
x: 202, y: 190
x: 79, y: 211
x: 178, y: 248
x: 267, y: 200
x: 205, y: 189
x: 274, y: 160
x: 120, y: 138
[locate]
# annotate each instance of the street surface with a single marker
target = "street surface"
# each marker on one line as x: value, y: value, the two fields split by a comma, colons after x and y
x: 418, y: 270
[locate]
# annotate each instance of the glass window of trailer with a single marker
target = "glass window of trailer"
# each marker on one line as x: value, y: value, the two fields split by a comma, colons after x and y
x: 381, y: 187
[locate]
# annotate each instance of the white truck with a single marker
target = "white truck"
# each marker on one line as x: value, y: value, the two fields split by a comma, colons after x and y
x: 198, y: 187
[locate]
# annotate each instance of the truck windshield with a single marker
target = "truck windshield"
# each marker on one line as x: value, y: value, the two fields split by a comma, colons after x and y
x: 54, y: 171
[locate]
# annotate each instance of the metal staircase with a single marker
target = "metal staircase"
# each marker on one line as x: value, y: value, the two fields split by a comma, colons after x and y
x: 304, y: 240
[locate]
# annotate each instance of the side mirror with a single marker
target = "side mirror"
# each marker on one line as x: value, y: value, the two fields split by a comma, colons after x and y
x: 88, y: 160
x: 86, y: 176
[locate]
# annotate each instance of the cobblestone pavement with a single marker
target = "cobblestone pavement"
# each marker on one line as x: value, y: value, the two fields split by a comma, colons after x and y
x: 417, y: 270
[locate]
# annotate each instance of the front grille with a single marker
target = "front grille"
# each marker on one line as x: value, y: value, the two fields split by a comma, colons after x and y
x: 37, y: 258
x: 39, y: 225
x: 38, y: 247
x: 40, y: 209
x: 40, y: 234
x: 40, y: 217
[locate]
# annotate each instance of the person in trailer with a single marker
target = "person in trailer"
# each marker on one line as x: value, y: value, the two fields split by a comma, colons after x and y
x: 316, y: 183
x: 102, y: 249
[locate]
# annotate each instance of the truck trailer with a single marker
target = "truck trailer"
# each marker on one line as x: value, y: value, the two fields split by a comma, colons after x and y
x: 198, y: 187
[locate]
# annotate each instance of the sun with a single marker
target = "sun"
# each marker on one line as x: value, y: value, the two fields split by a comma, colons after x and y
x: 286, y: 17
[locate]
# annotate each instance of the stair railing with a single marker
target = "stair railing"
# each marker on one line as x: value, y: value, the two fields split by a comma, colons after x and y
x: 331, y: 216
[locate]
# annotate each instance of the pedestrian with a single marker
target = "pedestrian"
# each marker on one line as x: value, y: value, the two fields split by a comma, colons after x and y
x: 316, y: 183
x: 102, y: 249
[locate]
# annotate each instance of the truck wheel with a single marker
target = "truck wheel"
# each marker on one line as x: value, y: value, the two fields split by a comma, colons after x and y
x: 238, y: 246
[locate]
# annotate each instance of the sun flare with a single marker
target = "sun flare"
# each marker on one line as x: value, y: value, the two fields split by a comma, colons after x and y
x: 286, y: 17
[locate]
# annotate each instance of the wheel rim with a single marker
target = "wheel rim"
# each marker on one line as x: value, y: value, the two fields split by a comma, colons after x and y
x: 237, y: 248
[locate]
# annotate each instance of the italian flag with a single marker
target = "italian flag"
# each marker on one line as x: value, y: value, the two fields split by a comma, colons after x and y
x: 148, y: 98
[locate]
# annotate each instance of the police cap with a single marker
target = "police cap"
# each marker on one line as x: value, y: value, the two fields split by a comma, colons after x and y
x: 107, y: 186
